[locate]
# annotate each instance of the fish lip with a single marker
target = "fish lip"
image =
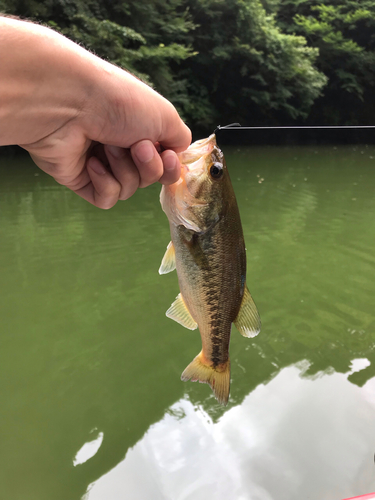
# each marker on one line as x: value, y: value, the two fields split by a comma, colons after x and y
x: 197, y: 150
x: 205, y: 142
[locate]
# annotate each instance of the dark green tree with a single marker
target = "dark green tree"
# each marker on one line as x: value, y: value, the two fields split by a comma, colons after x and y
x: 216, y: 60
x: 251, y: 71
x: 344, y: 33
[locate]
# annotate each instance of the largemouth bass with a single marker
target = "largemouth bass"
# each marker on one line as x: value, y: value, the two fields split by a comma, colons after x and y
x: 208, y: 252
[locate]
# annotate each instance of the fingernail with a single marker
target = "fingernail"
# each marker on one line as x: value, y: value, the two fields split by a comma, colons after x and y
x: 115, y: 151
x: 96, y: 166
x: 169, y: 162
x: 144, y: 152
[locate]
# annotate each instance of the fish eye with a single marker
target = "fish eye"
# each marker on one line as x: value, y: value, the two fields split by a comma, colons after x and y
x: 216, y: 170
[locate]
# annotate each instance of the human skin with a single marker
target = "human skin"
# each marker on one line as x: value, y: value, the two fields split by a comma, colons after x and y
x: 92, y: 126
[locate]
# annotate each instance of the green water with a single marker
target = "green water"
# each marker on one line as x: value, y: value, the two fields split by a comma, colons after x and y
x: 91, y: 402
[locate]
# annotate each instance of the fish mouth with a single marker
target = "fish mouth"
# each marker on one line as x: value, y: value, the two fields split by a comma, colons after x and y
x: 196, y: 151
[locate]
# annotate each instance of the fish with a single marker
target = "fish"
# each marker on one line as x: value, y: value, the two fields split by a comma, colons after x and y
x: 207, y: 249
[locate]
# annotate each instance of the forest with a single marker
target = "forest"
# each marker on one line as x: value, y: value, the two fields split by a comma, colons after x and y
x: 269, y: 62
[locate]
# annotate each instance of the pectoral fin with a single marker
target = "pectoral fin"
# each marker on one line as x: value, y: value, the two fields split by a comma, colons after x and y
x: 248, y: 320
x: 168, y: 263
x: 179, y: 312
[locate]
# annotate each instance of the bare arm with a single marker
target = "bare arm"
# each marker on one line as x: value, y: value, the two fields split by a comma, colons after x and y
x: 89, y: 124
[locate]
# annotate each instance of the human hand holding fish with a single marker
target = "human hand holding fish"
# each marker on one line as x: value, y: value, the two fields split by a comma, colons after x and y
x: 207, y: 249
x: 92, y: 126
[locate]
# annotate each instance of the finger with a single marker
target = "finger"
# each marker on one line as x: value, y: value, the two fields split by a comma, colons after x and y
x: 103, y: 189
x: 147, y: 161
x: 175, y: 134
x: 159, y: 148
x: 124, y: 170
x: 98, y: 151
x: 172, y: 167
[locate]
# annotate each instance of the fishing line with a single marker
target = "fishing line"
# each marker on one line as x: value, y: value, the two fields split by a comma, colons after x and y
x: 291, y: 133
x: 237, y: 126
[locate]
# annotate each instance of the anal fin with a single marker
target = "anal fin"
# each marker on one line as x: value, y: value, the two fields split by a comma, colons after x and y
x: 168, y: 263
x: 179, y: 312
x: 248, y: 320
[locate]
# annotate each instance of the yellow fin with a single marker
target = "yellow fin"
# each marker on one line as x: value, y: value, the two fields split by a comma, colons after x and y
x: 168, y: 263
x: 248, y: 320
x: 218, y: 379
x: 179, y: 312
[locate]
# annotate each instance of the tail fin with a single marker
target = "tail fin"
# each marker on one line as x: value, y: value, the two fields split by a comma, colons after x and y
x: 217, y: 378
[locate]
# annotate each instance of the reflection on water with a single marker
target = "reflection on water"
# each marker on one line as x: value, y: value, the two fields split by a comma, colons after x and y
x: 287, y: 440
x: 88, y: 356
x: 88, y: 450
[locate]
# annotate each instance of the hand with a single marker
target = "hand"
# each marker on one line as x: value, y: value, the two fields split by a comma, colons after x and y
x: 92, y: 126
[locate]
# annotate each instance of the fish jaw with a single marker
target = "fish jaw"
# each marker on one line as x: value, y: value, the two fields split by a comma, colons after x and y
x: 197, y: 150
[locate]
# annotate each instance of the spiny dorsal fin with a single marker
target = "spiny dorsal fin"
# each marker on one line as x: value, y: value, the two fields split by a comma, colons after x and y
x: 168, y: 263
x: 179, y: 312
x: 248, y: 320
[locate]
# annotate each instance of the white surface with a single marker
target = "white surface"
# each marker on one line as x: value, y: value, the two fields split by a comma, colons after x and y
x: 288, y: 440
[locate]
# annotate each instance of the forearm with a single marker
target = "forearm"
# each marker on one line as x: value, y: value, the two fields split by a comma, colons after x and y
x: 45, y: 81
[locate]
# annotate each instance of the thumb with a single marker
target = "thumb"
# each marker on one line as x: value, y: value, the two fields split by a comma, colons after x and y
x: 174, y: 134
x: 132, y: 111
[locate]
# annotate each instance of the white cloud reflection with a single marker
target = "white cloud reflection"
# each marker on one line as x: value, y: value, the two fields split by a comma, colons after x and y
x: 291, y: 439
x: 88, y: 450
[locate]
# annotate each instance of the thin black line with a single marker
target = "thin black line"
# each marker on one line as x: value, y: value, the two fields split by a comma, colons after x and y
x: 307, y: 127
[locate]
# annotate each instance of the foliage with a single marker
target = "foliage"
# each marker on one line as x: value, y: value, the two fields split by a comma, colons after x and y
x: 251, y: 70
x: 344, y: 33
x: 219, y: 61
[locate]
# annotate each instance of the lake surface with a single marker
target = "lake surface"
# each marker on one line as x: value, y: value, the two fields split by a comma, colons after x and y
x: 91, y: 402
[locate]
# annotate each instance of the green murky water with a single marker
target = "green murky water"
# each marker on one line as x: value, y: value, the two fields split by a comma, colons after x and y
x: 91, y: 402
